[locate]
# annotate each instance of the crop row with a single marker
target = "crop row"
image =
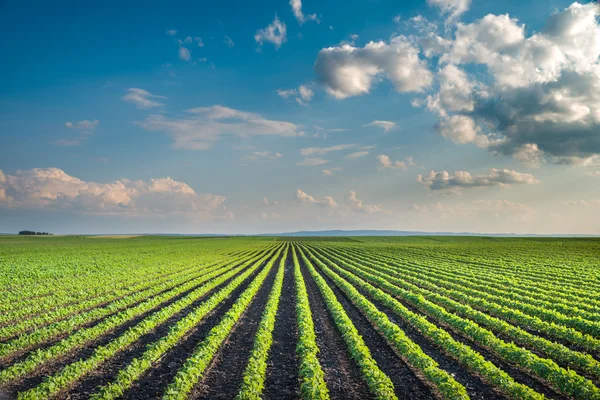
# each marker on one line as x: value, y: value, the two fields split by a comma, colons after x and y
x: 564, y: 381
x: 191, y: 372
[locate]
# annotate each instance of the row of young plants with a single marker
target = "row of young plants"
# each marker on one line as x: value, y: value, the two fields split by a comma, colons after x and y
x: 253, y: 381
x: 137, y: 367
x: 118, y: 312
x: 71, y: 317
x: 82, y: 337
x: 25, y: 317
x: 48, y: 309
x: 192, y: 371
x: 547, y: 302
x: 312, y: 378
x: 465, y: 355
x: 541, y: 280
x: 555, y: 351
x: 564, y: 381
x: 501, y: 282
x: 531, y: 323
x: 521, y: 257
x: 71, y: 373
x: 379, y: 384
x: 441, y: 382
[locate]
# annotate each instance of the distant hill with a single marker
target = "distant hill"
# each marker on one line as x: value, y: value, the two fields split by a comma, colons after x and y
x: 407, y: 233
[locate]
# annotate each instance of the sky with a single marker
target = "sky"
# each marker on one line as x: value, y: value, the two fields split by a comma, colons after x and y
x: 224, y: 117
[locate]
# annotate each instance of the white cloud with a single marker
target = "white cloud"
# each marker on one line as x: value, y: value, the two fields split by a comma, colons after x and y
x: 263, y: 156
x: 385, y: 125
x: 199, y: 41
x: 171, y: 32
x: 351, y: 71
x: 142, y: 99
x: 357, y: 205
x: 319, y: 151
x: 297, y: 10
x: 83, y: 128
x: 595, y: 174
x: 54, y: 189
x: 477, y: 210
x: 227, y: 40
x: 311, y: 162
x: 303, y: 197
x: 206, y: 125
x: 85, y: 125
x: 355, y: 155
x: 541, y: 97
x: 463, y: 179
x: 385, y: 162
x: 452, y: 8
x: 184, y: 54
x: 274, y: 33
x: 352, y: 203
x: 302, y: 95
x: 328, y: 172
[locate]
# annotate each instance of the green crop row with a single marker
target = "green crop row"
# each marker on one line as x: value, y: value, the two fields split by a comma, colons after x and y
x: 465, y: 355
x: 191, y: 372
x: 565, y: 381
x: 313, y: 384
x: 558, y: 352
x: 553, y: 330
x: 84, y: 336
x: 441, y: 381
x: 156, y: 350
x: 253, y: 381
x: 75, y: 371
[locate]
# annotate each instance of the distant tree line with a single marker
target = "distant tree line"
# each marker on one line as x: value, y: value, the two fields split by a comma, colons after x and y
x: 34, y: 233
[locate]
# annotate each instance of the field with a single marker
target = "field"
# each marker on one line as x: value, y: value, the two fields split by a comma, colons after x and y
x: 290, y: 318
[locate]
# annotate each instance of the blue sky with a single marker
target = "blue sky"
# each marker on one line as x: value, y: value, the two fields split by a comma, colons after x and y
x: 194, y: 117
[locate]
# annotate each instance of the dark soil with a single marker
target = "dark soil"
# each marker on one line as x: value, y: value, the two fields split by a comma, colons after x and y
x: 406, y: 383
x: 224, y: 377
x: 282, y: 364
x: 476, y: 387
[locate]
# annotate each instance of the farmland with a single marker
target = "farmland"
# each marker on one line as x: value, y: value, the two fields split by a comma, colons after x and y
x: 299, y: 318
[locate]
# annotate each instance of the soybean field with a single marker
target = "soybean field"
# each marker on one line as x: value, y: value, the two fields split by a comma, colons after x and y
x: 299, y: 318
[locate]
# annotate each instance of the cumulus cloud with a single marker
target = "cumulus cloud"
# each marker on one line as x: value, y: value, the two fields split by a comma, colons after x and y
x: 274, y: 33
x: 142, y: 99
x: 52, y: 188
x: 355, y: 155
x: 464, y: 180
x: 303, y: 197
x: 206, y: 125
x: 452, y: 8
x: 263, y: 156
x: 386, y: 162
x: 171, y: 32
x: 302, y: 95
x: 352, y: 203
x: 351, y: 71
x: 311, y: 162
x: 541, y: 96
x: 385, y: 125
x: 297, y: 10
x: 357, y: 205
x: 319, y: 151
x: 184, y: 54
